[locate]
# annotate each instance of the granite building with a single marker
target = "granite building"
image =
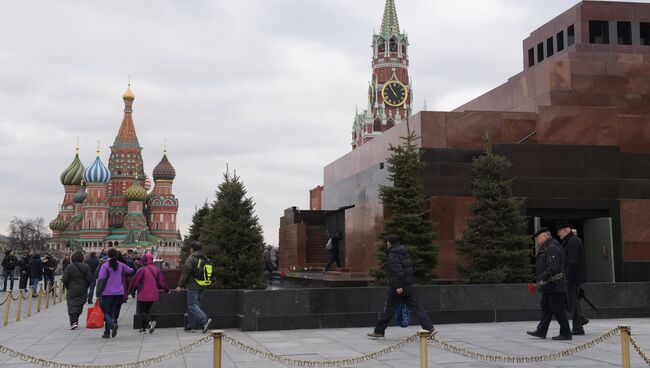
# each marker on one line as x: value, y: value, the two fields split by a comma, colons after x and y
x: 575, y: 123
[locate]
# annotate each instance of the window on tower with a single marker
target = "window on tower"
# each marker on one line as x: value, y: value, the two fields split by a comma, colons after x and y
x: 381, y: 45
x: 404, y: 49
x: 376, y: 125
x: 393, y: 45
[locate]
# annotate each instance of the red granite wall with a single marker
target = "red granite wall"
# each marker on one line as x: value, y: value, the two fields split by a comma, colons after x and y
x: 293, y: 240
x: 635, y: 217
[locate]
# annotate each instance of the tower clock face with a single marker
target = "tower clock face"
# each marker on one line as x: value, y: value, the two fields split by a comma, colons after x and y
x: 394, y: 93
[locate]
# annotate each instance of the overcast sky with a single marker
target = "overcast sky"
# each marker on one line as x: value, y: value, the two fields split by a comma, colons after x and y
x: 268, y: 87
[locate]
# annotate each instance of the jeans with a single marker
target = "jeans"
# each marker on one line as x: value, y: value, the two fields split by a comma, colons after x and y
x: 35, y: 282
x: 49, y: 279
x: 194, y: 312
x: 109, y: 306
x: 393, y: 301
x: 91, y: 290
x: 8, y: 276
x: 553, y: 305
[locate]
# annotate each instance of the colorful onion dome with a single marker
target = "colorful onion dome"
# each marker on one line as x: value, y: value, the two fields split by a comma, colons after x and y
x: 81, y: 195
x: 97, y: 172
x: 128, y: 95
x: 57, y: 224
x: 135, y: 192
x: 74, y: 173
x: 164, y: 170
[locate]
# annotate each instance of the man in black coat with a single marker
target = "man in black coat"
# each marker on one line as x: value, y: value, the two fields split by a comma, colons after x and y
x: 9, y: 264
x: 93, y: 264
x: 400, y: 288
x: 575, y: 267
x: 334, y: 251
x: 35, y: 272
x: 550, y: 263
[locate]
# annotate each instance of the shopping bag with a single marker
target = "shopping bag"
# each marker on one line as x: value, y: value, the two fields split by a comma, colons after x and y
x: 402, y: 315
x: 95, y: 317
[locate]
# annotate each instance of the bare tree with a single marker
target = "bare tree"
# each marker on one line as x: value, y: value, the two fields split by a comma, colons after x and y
x: 27, y: 234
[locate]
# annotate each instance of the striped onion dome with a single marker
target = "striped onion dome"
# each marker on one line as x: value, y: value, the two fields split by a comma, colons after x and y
x: 57, y: 224
x: 74, y: 173
x: 97, y: 172
x: 164, y: 170
x: 80, y: 196
x: 135, y: 192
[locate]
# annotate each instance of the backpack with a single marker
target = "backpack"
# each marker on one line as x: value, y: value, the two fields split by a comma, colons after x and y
x: 328, y: 246
x: 203, y: 272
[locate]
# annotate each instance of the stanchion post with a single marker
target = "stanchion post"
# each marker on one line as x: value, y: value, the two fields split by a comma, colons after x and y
x: 424, y: 355
x: 47, y: 295
x: 20, y: 306
x: 38, y: 298
x: 31, y: 300
x: 625, y: 345
x: 54, y: 288
x: 216, y: 349
x: 5, y: 320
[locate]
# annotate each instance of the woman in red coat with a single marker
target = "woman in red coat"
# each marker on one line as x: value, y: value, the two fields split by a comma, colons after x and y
x: 147, y: 281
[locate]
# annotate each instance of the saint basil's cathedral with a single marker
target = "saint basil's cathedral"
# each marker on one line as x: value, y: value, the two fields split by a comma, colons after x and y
x: 106, y: 207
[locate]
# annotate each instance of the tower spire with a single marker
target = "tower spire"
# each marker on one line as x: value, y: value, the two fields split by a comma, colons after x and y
x: 389, y: 23
x: 126, y: 136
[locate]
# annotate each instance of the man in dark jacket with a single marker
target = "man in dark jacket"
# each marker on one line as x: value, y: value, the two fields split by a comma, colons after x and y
x: 549, y: 263
x: 334, y: 251
x: 575, y: 267
x: 9, y: 264
x: 49, y: 266
x: 194, y: 291
x: 93, y: 264
x: 23, y: 268
x: 35, y: 272
x: 400, y: 288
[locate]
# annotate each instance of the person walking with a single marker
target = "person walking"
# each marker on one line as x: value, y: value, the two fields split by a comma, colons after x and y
x: 575, y: 267
x: 35, y: 272
x: 110, y: 288
x: 400, y: 288
x: 147, y: 281
x: 334, y: 251
x: 76, y: 278
x: 93, y: 264
x: 549, y: 263
x: 194, y: 291
x: 23, y: 270
x: 49, y: 266
x: 9, y: 264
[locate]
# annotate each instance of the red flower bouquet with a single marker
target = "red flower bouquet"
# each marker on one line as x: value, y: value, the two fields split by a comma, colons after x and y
x: 534, y: 288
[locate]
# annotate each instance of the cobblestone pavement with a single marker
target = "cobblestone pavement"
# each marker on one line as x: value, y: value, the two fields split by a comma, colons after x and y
x: 46, y: 335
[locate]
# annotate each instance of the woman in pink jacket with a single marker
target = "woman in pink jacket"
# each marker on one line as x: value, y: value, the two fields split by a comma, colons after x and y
x: 147, y: 281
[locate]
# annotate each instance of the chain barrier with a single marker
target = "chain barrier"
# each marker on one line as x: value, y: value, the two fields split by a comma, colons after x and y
x: 642, y: 354
x: 317, y: 363
x: 4, y: 301
x: 525, y: 358
x: 139, y: 363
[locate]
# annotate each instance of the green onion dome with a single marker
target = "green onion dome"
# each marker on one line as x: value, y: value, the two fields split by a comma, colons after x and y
x: 135, y: 192
x: 57, y: 224
x: 74, y: 173
x: 80, y: 196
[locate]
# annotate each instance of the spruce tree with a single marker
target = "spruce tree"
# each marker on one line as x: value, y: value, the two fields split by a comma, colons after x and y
x: 195, y: 231
x: 232, y: 238
x: 494, y: 245
x: 404, y: 205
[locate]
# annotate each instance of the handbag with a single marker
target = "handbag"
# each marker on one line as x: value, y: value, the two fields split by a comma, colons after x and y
x: 95, y: 317
x: 402, y: 315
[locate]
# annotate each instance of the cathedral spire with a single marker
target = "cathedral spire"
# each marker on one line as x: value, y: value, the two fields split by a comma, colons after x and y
x: 389, y: 23
x: 126, y: 135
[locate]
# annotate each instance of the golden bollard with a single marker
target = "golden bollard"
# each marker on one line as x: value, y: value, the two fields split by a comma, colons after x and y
x: 38, y: 300
x: 216, y: 349
x: 47, y: 296
x: 7, y: 306
x: 424, y: 355
x: 20, y: 305
x: 31, y: 300
x: 625, y: 345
